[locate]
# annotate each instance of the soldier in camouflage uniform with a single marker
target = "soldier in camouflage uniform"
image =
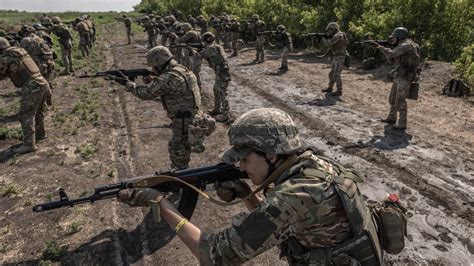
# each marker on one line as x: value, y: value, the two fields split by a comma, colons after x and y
x: 314, y: 211
x: 42, y: 54
x: 201, y: 23
x: 85, y: 36
x: 151, y: 29
x: 191, y: 59
x: 176, y: 87
x: 46, y: 21
x: 259, y: 27
x: 18, y: 65
x: 406, y: 55
x: 215, y: 56
x: 284, y: 41
x: 128, y: 26
x: 65, y: 44
x: 234, y: 30
x: 337, y: 45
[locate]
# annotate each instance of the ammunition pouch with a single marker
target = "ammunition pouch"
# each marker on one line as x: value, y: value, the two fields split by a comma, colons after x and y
x: 27, y: 68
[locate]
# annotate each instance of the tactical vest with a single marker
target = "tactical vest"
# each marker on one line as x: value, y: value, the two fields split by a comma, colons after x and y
x: 192, y: 89
x: 364, y: 245
x: 27, y: 68
x: 339, y: 48
x: 411, y: 59
x: 82, y: 28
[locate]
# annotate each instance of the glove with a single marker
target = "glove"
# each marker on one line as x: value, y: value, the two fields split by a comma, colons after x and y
x: 229, y: 190
x: 148, y: 197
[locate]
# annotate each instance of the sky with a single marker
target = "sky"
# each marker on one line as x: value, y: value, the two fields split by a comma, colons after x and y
x: 68, y: 5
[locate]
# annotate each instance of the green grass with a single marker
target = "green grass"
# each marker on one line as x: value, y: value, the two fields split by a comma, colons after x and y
x: 10, y: 190
x: 87, y: 150
x: 10, y: 133
x: 53, y: 251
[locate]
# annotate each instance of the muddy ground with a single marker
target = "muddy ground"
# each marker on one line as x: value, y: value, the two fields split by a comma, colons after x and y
x: 98, y: 134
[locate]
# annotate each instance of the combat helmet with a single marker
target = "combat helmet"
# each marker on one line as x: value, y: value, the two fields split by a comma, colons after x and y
x: 208, y: 37
x: 38, y: 26
x: 4, y: 43
x: 267, y: 130
x: 158, y: 56
x: 281, y: 28
x: 255, y: 17
x: 400, y: 33
x: 56, y: 20
x: 185, y: 27
x: 333, y: 26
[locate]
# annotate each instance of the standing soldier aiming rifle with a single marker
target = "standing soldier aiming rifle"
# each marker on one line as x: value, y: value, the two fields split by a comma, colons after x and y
x: 176, y: 87
x: 258, y: 27
x: 406, y: 56
x: 17, y: 64
x: 234, y: 30
x: 215, y: 56
x: 337, y: 43
x: 283, y: 39
x: 65, y: 44
x: 190, y: 56
x: 314, y: 212
x: 128, y: 26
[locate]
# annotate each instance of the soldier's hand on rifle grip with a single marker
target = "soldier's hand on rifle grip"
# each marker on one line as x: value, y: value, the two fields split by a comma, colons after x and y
x: 143, y: 197
x: 146, y: 79
x: 230, y: 190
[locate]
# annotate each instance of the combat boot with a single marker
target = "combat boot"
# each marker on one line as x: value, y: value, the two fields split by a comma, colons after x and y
x: 336, y: 93
x: 65, y: 72
x: 388, y: 120
x: 399, y: 127
x: 25, y: 149
x: 329, y: 89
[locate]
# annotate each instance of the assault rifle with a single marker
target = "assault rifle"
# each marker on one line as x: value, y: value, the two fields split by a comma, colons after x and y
x: 198, y: 177
x: 268, y: 32
x: 317, y: 35
x: 197, y: 46
x: 380, y: 42
x: 131, y: 74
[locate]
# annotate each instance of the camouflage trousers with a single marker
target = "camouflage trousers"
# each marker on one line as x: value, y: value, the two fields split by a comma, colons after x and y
x: 335, y: 73
x: 234, y: 40
x: 284, y: 57
x: 193, y: 61
x: 84, y: 44
x: 47, y: 70
x: 33, y: 96
x: 151, y: 40
x: 221, y: 101
x: 397, y: 100
x: 179, y: 147
x: 129, y: 34
x: 66, y: 56
x: 260, y: 56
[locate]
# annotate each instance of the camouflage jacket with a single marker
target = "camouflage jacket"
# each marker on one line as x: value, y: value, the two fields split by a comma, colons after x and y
x: 215, y: 55
x: 338, y: 43
x: 191, y: 36
x: 407, y: 57
x: 63, y: 33
x: 128, y: 22
x: 284, y: 40
x: 299, y: 206
x: 176, y: 87
x: 38, y: 50
x: 17, y: 64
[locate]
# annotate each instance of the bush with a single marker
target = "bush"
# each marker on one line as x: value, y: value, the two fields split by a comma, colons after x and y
x: 465, y: 65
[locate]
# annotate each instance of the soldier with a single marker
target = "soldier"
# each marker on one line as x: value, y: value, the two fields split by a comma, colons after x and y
x: 41, y: 32
x: 16, y: 64
x: 192, y: 21
x: 41, y: 54
x: 284, y: 41
x: 406, y: 55
x: 172, y: 24
x: 176, y: 87
x: 234, y: 30
x: 128, y: 25
x: 337, y: 44
x: 258, y: 27
x: 91, y: 24
x: 201, y: 23
x: 65, y: 43
x: 46, y: 21
x: 215, y: 56
x: 190, y: 56
x: 151, y: 29
x: 85, y: 36
x: 314, y: 211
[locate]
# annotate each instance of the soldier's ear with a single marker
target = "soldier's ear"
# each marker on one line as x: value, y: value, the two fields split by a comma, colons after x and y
x: 272, y: 157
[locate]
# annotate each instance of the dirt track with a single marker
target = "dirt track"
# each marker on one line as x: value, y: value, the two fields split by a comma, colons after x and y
x: 431, y: 165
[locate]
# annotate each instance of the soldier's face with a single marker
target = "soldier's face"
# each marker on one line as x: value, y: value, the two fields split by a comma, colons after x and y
x: 256, y: 167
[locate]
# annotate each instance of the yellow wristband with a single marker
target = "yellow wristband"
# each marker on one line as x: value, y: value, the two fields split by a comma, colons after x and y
x: 180, y: 225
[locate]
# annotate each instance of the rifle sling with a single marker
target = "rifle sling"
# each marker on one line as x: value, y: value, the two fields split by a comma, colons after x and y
x: 159, y: 179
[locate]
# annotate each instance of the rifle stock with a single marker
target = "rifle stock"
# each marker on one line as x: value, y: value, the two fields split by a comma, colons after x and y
x: 131, y: 74
x: 198, y: 177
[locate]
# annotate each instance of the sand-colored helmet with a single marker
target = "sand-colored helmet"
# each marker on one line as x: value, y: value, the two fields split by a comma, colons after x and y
x: 281, y: 28
x: 185, y: 26
x: 267, y: 130
x: 255, y: 17
x: 56, y: 20
x: 4, y: 43
x: 332, y: 26
x: 158, y: 56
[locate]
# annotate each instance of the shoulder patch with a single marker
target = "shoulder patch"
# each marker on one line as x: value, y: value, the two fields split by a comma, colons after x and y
x: 256, y: 229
